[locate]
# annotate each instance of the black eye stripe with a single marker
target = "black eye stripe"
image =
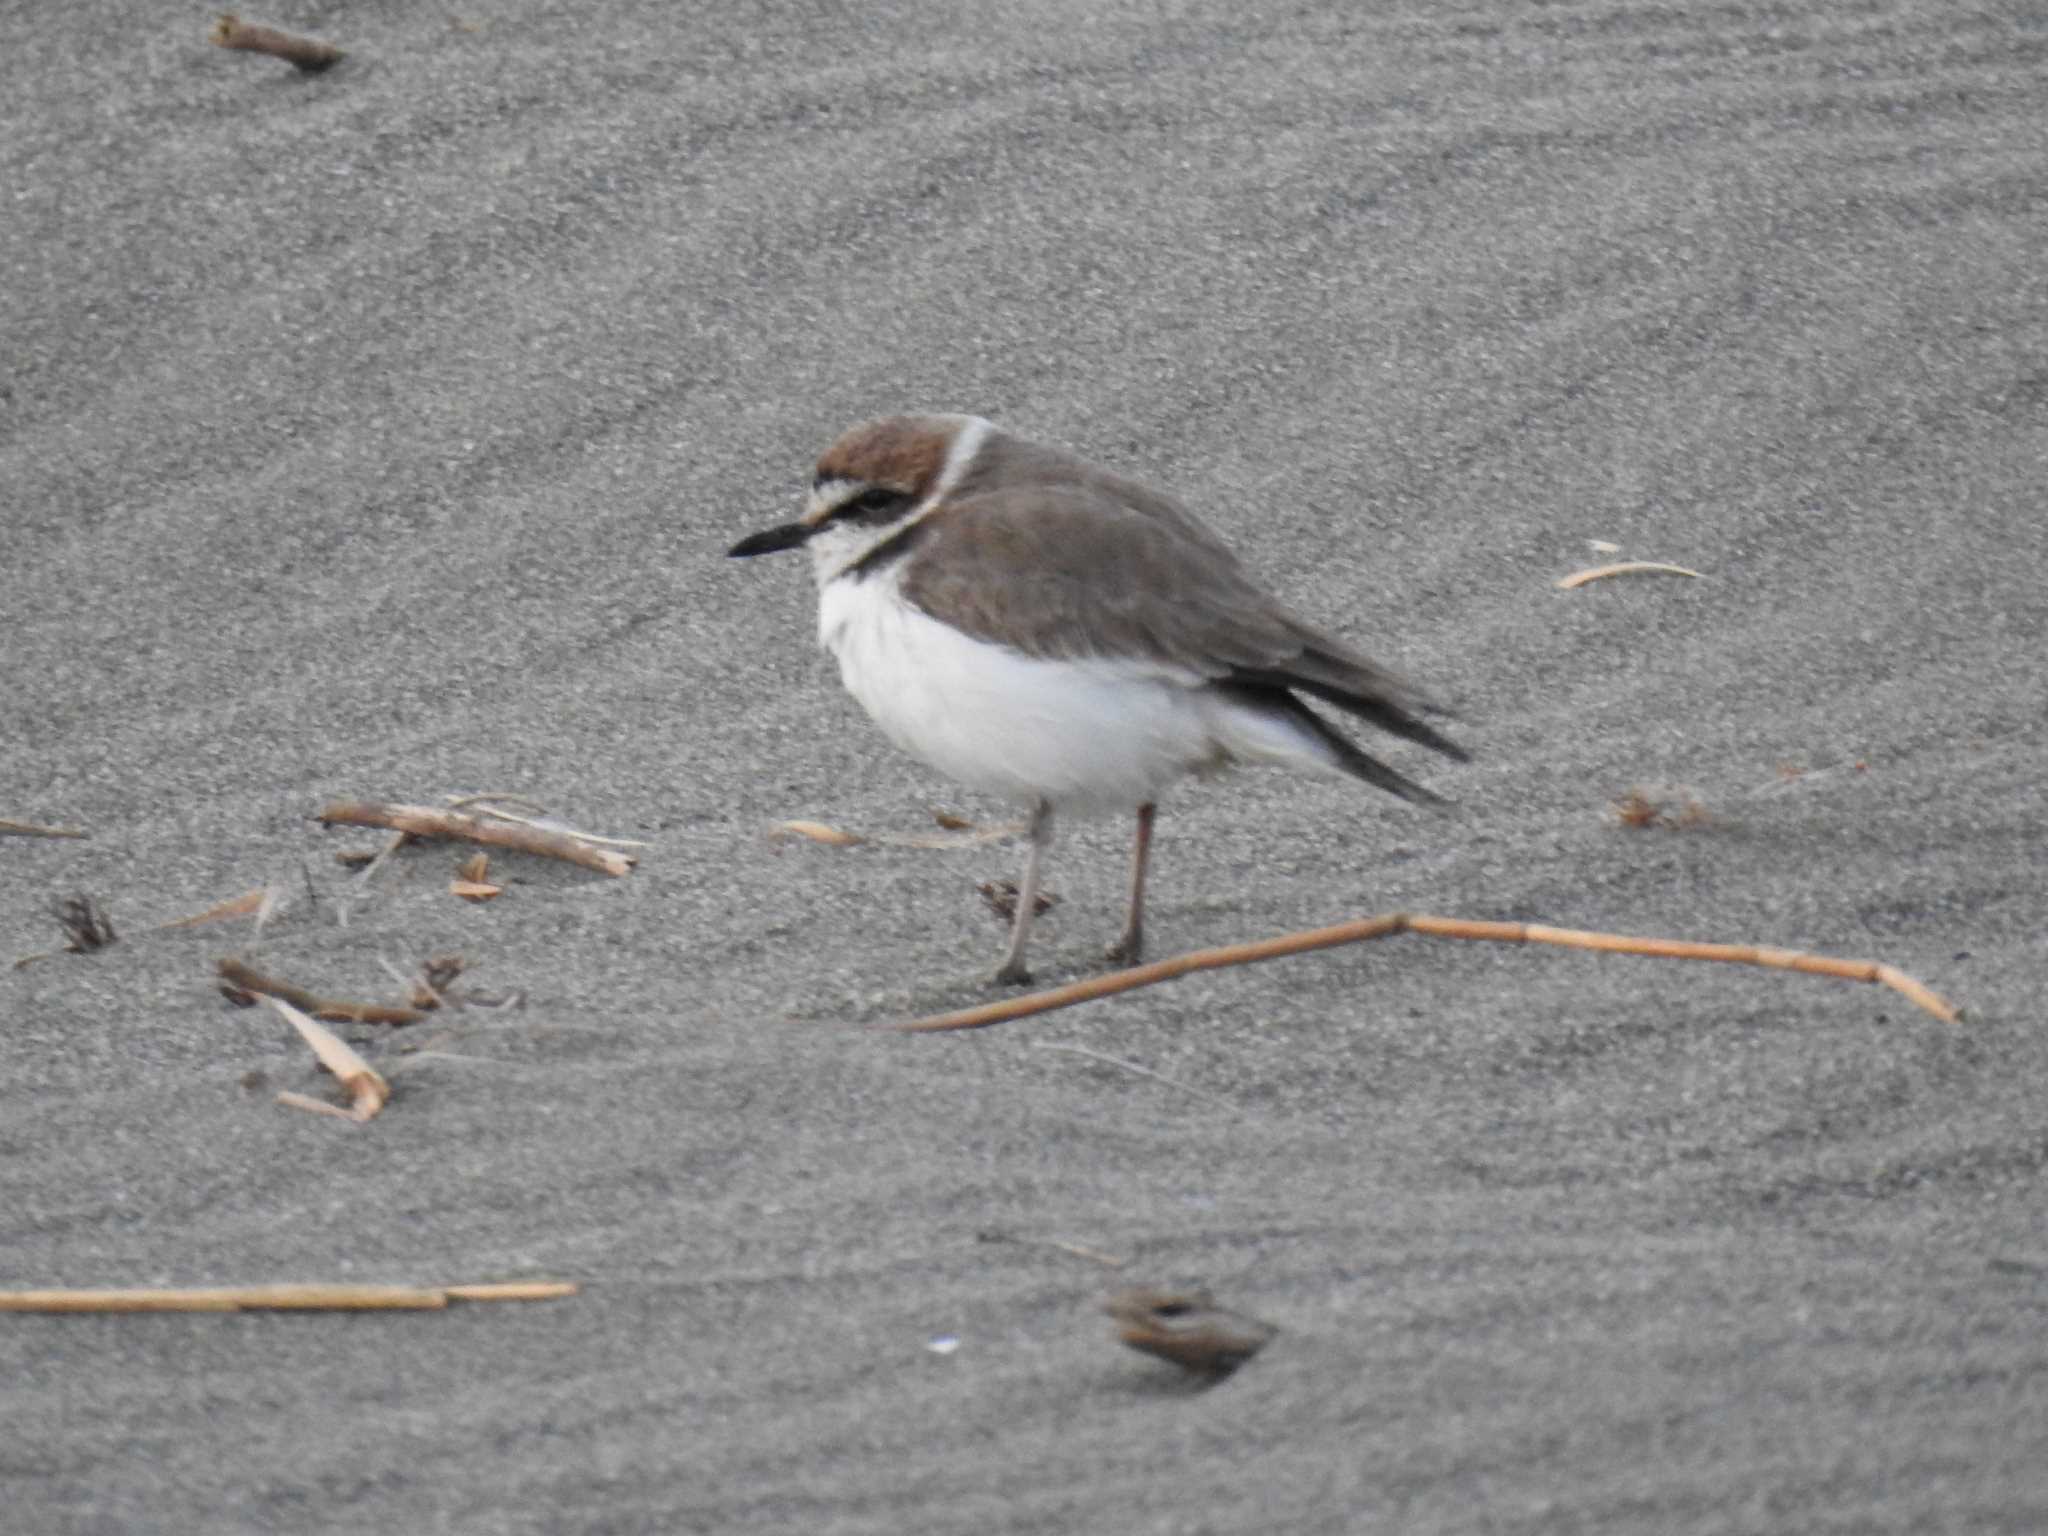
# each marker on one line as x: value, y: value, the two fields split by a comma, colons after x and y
x: 876, y: 504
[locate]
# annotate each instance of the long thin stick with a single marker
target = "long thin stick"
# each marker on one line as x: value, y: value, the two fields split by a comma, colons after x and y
x: 1387, y: 923
x: 281, y: 1298
x: 454, y: 826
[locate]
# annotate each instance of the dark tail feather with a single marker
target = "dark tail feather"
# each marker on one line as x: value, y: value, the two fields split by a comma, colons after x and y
x: 1363, y: 695
x: 1350, y: 757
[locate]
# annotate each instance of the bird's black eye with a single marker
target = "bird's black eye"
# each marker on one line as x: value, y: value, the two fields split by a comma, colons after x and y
x: 876, y: 504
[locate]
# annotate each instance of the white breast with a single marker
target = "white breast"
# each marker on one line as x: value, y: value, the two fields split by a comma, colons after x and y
x: 1088, y: 735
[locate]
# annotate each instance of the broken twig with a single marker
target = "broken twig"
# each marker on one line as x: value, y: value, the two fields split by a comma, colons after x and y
x: 456, y: 826
x: 30, y: 829
x: 242, y: 983
x: 308, y: 55
x: 1390, y: 923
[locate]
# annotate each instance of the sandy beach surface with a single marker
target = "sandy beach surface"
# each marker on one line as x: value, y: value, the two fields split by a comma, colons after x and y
x: 380, y: 433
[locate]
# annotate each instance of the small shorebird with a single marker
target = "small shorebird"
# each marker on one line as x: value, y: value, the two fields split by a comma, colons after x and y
x: 1040, y: 629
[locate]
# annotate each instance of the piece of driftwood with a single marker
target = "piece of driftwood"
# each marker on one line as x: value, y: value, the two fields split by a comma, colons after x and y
x: 306, y: 54
x: 1188, y: 1328
x: 281, y: 1298
x: 1390, y: 923
x: 248, y: 983
x: 1625, y: 568
x: 32, y: 829
x: 424, y: 821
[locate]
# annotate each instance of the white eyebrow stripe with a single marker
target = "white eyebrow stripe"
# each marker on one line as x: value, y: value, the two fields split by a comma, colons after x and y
x: 967, y: 443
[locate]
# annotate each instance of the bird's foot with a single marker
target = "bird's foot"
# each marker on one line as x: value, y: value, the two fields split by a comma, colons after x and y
x: 1128, y: 950
x: 1011, y: 973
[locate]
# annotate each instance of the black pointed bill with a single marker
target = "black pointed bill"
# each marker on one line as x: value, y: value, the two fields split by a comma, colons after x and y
x: 769, y: 540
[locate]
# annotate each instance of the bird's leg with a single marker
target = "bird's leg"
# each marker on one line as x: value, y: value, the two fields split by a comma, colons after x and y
x: 1012, y: 971
x: 1131, y: 947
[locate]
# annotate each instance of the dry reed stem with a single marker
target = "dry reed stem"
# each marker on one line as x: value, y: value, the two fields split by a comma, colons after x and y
x: 308, y: 55
x: 286, y: 1298
x: 1625, y: 568
x: 247, y: 979
x: 455, y: 826
x: 494, y: 805
x: 235, y: 906
x: 31, y: 829
x: 1357, y: 932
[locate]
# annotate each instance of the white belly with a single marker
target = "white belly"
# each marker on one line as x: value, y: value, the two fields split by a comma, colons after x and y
x: 1089, y: 736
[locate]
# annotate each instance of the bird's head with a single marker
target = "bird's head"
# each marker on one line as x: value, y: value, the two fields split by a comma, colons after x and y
x: 874, y: 481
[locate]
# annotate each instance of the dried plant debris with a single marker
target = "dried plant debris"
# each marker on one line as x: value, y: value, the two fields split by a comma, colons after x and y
x: 86, y: 925
x: 34, y: 829
x: 473, y: 881
x: 249, y: 903
x: 282, y: 1298
x: 1665, y: 808
x: 308, y: 55
x: 492, y: 831
x: 1388, y: 924
x: 242, y: 984
x: 1626, y: 568
x: 1001, y: 896
x: 367, y: 1091
x: 815, y: 832
x: 1188, y: 1328
x: 956, y: 832
x: 532, y: 813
